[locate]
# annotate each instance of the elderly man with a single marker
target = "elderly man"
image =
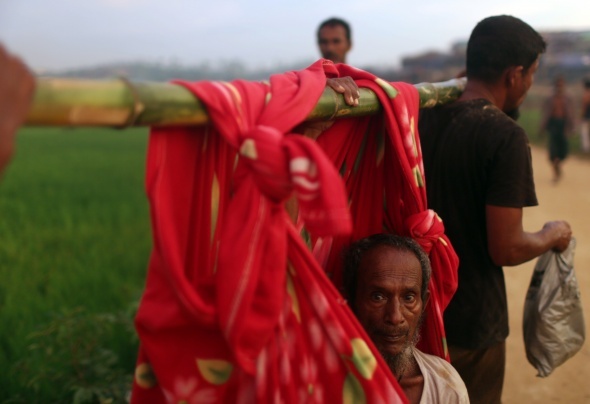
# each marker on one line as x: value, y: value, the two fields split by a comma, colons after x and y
x: 386, y: 281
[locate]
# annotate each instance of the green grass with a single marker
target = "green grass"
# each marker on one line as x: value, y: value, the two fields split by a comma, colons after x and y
x: 74, y: 235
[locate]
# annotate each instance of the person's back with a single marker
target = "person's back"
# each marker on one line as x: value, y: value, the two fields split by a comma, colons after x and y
x: 473, y: 156
x: 479, y: 177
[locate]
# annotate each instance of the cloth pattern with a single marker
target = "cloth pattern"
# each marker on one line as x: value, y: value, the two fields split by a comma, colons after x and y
x: 380, y: 161
x: 236, y: 308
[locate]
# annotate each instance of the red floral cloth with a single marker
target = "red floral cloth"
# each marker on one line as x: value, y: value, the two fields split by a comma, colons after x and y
x: 236, y: 309
x: 380, y: 160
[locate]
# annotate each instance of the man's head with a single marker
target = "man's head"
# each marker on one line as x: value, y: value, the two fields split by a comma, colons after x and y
x: 386, y: 282
x: 334, y: 39
x: 504, y: 50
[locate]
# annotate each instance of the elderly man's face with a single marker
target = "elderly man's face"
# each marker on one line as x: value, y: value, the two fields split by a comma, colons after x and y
x: 388, y: 300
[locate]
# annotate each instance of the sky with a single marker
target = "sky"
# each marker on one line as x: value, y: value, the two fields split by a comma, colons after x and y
x: 61, y: 34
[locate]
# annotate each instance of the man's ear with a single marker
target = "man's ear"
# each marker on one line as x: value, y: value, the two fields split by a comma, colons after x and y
x: 513, y: 75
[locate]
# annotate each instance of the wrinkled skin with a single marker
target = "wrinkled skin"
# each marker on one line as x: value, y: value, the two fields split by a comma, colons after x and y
x: 388, y: 302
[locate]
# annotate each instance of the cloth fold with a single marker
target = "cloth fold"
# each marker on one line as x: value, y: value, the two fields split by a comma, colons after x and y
x: 245, y: 298
x: 380, y: 161
x: 426, y: 228
x: 235, y: 308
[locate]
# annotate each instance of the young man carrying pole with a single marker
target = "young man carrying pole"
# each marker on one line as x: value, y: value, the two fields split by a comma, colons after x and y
x: 479, y: 177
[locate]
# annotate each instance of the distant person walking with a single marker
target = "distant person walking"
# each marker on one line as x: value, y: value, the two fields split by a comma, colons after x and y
x: 17, y: 85
x: 585, y: 124
x: 334, y: 39
x: 558, y: 122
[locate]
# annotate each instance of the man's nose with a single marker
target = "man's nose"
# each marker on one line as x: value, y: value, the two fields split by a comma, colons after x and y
x: 394, y: 313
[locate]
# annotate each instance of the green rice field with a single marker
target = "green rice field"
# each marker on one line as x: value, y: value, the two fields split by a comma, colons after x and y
x: 74, y: 245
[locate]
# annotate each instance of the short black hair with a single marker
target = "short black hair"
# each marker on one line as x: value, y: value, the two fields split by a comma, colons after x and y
x: 354, y: 254
x: 499, y: 42
x: 334, y: 22
x: 587, y: 83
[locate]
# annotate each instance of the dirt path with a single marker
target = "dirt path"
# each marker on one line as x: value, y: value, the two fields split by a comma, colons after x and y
x: 568, y: 200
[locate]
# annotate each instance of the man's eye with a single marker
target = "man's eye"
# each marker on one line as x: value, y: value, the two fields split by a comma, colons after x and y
x: 411, y: 298
x: 377, y: 297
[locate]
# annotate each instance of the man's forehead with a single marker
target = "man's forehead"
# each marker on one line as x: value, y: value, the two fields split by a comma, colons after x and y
x: 389, y: 263
x: 333, y: 30
x: 385, y: 252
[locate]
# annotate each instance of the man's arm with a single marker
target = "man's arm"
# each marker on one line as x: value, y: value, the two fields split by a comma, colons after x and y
x: 17, y: 85
x: 509, y: 244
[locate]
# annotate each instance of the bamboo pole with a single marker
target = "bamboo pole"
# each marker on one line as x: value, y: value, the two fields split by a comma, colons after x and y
x: 120, y: 103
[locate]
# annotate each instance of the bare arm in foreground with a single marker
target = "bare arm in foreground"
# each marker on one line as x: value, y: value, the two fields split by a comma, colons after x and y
x: 17, y: 85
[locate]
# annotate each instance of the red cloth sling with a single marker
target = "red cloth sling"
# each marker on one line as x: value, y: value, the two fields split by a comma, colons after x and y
x: 236, y: 309
x: 380, y: 160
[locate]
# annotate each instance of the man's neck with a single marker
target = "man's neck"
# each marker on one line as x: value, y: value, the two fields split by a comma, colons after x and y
x: 411, y: 381
x: 476, y: 89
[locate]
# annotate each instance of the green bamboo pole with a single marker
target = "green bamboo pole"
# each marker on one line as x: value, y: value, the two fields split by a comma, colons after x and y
x: 120, y: 103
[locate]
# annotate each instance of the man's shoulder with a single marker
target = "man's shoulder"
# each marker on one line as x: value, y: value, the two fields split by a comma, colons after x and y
x: 488, y: 116
x: 442, y: 383
x: 479, y: 113
x: 434, y: 360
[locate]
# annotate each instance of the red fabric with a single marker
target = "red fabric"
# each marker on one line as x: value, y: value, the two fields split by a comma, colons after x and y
x: 380, y: 160
x: 236, y: 309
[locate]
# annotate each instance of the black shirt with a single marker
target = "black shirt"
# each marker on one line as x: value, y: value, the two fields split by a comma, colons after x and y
x: 475, y: 155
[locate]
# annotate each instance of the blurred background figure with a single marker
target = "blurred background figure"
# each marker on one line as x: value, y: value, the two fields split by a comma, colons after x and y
x: 16, y: 92
x: 585, y: 125
x: 558, y: 122
x: 334, y: 39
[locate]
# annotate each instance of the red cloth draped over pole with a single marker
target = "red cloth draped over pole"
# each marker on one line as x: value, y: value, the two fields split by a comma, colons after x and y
x: 380, y: 160
x: 236, y: 309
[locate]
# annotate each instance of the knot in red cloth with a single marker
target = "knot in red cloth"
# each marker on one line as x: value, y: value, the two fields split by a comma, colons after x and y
x: 268, y: 161
x: 426, y: 228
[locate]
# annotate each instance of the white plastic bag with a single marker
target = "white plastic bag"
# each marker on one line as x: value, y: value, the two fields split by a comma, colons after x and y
x: 553, y: 323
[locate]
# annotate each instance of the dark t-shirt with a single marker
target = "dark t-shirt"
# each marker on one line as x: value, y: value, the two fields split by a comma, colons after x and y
x: 475, y: 155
